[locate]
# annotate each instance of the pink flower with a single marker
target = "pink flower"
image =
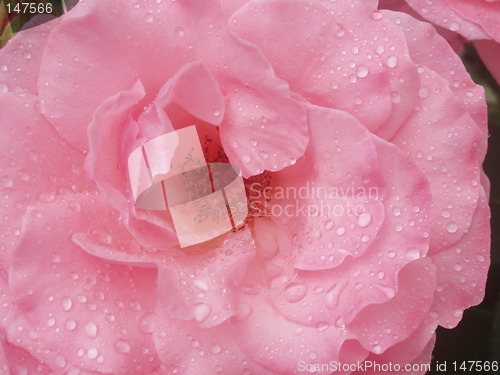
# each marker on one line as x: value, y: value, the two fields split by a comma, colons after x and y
x: 360, y: 137
x: 475, y: 20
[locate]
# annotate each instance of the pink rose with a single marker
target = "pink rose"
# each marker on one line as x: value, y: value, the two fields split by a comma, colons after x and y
x: 475, y: 20
x: 359, y: 135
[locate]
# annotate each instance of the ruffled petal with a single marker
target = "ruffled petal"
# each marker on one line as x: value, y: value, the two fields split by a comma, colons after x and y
x: 20, y: 59
x: 380, y: 327
x: 462, y: 269
x: 369, y: 77
x: 96, y: 316
x: 334, y: 210
x: 185, y: 349
x: 32, y: 171
x: 425, y: 50
x: 323, y: 298
x: 203, y: 286
x: 443, y: 14
x: 486, y: 14
x: 279, y: 344
x: 253, y: 93
x: 443, y: 140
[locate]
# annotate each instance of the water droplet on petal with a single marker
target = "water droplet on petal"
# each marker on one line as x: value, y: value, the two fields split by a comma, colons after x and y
x: 295, y: 292
x: 70, y: 325
x: 92, y: 353
x: 148, y: 17
x: 201, y: 312
x: 364, y: 219
x: 122, y: 346
x: 91, y: 330
x: 452, y: 227
x: 147, y: 323
x: 392, y: 61
x: 67, y: 304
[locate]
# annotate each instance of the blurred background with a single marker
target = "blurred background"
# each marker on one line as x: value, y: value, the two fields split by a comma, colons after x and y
x: 477, y: 337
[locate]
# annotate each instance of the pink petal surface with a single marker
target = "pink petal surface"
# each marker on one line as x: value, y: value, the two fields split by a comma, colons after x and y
x: 202, y: 285
x: 486, y: 14
x: 185, y: 348
x: 462, y: 270
x: 344, y: 190
x: 277, y: 343
x: 112, y: 135
x: 432, y: 51
x: 103, y: 312
x: 379, y: 327
x: 21, y: 57
x: 345, y: 68
x: 85, y: 72
x: 442, y: 139
x: 32, y: 171
x: 444, y: 13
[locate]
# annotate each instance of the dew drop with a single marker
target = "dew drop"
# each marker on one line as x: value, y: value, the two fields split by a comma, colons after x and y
x: 362, y: 71
x: 201, y: 312
x: 295, y: 292
x: 392, y: 61
x: 91, y: 330
x: 67, y: 304
x: 70, y: 325
x: 180, y: 32
x: 246, y: 158
x: 92, y: 353
x: 148, y: 17
x: 3, y: 88
x: 364, y: 219
x: 329, y: 224
x: 215, y: 349
x: 122, y: 346
x: 341, y: 231
x: 452, y: 227
x: 147, y: 323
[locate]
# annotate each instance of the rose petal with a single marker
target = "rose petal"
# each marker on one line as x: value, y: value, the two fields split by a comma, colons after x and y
x: 443, y: 14
x: 32, y: 171
x: 346, y: 69
x: 323, y: 298
x: 380, y: 327
x: 203, y: 286
x: 20, y: 59
x: 185, y: 348
x: 409, y: 354
x: 279, y: 344
x: 443, y: 140
x: 259, y: 95
x: 483, y: 13
x: 334, y: 210
x: 82, y: 301
x: 462, y: 269
x: 424, y: 51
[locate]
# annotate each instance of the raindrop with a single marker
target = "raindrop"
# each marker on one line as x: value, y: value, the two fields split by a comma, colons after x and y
x: 246, y: 158
x: 201, y: 312
x: 92, y: 353
x: 27, y: 55
x: 91, y: 330
x: 122, y: 346
x: 215, y: 349
x: 180, y: 32
x: 339, y: 30
x: 60, y: 361
x: 264, y: 155
x: 362, y: 71
x: 67, y: 304
x: 70, y: 325
x: 377, y: 349
x: 452, y: 227
x: 329, y: 224
x: 148, y: 17
x: 295, y: 292
x: 364, y: 219
x: 340, y: 231
x: 392, y: 61
x: 458, y: 267
x: 3, y: 88
x: 147, y: 323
